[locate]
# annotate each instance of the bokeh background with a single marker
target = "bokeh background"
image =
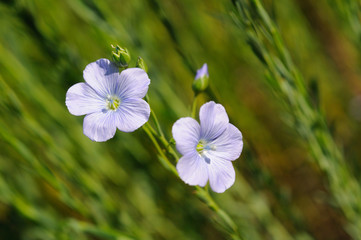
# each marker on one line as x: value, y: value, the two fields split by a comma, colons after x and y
x: 57, y: 184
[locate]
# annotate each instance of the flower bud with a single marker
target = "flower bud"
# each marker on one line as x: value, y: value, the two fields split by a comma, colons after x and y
x: 141, y: 64
x: 121, y: 56
x: 200, y: 82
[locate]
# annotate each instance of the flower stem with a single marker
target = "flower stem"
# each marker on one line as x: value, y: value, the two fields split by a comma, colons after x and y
x: 194, y: 106
x: 227, y: 223
x: 165, y: 160
x: 154, y: 117
x: 159, y: 133
x: 165, y: 142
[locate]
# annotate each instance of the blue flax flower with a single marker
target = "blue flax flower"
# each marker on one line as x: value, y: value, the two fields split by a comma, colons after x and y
x: 109, y: 99
x: 208, y: 148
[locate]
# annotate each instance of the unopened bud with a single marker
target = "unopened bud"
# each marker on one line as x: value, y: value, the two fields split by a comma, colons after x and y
x: 121, y: 56
x: 141, y: 64
x: 201, y: 80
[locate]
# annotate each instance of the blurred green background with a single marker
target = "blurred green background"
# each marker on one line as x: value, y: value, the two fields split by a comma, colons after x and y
x: 57, y: 184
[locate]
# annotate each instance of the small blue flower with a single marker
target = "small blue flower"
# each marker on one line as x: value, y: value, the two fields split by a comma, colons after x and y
x: 208, y: 148
x: 202, y: 72
x: 110, y: 100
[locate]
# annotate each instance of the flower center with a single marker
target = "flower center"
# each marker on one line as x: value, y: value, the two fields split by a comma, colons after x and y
x: 112, y: 102
x: 203, y: 146
x: 200, y: 146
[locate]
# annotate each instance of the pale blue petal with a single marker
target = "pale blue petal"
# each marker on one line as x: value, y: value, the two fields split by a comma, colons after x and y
x: 99, y: 126
x: 214, y: 120
x: 228, y: 145
x: 102, y: 76
x: 133, y: 83
x: 132, y: 114
x: 203, y: 71
x: 82, y: 99
x: 192, y: 169
x: 221, y: 175
x: 186, y: 133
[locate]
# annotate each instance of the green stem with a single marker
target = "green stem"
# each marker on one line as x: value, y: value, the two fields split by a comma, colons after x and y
x: 155, y: 119
x: 146, y: 128
x: 170, y: 149
x: 227, y: 222
x: 194, y: 106
x: 159, y: 133
x: 166, y: 144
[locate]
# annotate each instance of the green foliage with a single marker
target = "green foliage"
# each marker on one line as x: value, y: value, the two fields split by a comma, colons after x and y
x: 287, y: 82
x: 57, y: 184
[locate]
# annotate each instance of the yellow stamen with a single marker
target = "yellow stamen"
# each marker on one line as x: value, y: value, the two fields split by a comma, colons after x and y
x: 113, y: 102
